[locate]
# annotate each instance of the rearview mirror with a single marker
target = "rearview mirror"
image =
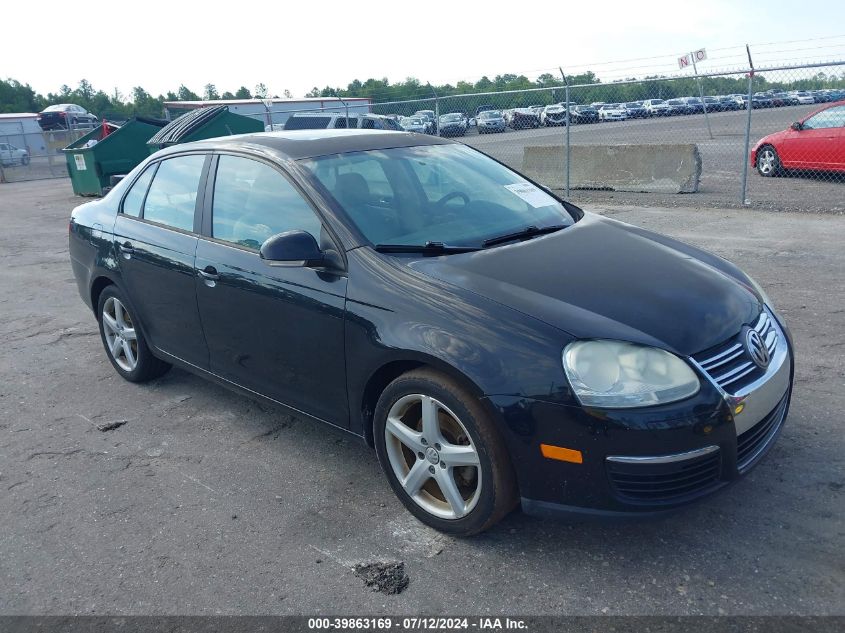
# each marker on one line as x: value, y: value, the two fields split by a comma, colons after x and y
x: 291, y: 248
x: 796, y: 126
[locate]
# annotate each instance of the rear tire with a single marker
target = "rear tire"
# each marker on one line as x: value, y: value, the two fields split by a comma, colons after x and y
x: 442, y: 455
x: 768, y: 161
x: 124, y: 341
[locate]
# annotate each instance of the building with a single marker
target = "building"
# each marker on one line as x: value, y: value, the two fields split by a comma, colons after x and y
x: 21, y: 129
x: 274, y: 111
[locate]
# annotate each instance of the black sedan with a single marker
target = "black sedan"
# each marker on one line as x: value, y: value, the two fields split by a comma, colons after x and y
x: 497, y: 345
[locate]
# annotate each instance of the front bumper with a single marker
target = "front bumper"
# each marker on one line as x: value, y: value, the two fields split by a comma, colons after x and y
x: 649, y: 461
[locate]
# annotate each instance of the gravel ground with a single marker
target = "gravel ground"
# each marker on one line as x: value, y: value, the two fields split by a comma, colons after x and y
x: 205, y: 502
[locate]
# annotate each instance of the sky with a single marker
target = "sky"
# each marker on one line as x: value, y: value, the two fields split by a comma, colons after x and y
x: 298, y: 45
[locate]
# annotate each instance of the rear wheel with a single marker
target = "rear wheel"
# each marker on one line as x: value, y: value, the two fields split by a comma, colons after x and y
x: 768, y: 162
x: 441, y: 454
x: 124, y: 342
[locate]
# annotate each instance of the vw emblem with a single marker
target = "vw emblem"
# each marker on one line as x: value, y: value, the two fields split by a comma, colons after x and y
x: 757, y: 349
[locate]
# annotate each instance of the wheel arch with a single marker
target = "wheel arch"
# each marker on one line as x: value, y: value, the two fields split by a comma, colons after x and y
x: 390, y: 371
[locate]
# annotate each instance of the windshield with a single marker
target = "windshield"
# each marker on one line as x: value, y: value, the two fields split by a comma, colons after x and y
x: 451, y: 117
x: 433, y: 193
x: 632, y: 105
x: 490, y: 114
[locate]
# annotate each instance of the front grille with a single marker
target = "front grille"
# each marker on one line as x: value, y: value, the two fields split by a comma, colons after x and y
x: 752, y: 444
x: 730, y: 365
x: 667, y: 482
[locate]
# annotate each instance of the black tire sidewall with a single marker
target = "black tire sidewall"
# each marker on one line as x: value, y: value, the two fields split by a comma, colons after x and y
x: 479, y: 517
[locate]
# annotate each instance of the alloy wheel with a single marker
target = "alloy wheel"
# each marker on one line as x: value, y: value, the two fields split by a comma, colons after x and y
x: 121, y: 338
x: 432, y: 456
x: 766, y: 161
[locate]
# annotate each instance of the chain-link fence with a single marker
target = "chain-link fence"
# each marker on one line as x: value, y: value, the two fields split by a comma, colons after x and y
x: 28, y: 153
x: 723, y: 139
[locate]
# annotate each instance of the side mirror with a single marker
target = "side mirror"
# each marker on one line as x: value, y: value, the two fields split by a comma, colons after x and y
x: 291, y: 248
x: 797, y: 126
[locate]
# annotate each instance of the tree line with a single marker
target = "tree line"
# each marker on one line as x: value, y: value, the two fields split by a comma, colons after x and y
x: 20, y: 97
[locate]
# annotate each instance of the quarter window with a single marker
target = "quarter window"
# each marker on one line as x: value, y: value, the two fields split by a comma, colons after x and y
x: 172, y: 197
x: 253, y: 201
x: 135, y: 198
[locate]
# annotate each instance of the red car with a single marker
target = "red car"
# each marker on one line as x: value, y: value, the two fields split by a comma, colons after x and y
x: 816, y: 142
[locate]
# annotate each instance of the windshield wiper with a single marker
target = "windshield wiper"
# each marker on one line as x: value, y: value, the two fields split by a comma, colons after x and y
x: 528, y: 231
x: 429, y: 248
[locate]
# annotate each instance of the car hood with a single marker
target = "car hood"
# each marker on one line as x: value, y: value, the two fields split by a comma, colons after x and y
x: 601, y: 278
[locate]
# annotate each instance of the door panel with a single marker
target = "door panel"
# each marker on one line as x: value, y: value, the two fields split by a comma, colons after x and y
x: 275, y: 330
x: 157, y: 263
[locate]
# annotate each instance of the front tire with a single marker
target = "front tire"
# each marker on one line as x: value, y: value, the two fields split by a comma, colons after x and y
x: 768, y: 161
x: 442, y: 455
x: 123, y: 340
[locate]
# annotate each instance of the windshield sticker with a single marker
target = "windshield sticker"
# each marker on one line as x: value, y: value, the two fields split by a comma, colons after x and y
x: 531, y: 194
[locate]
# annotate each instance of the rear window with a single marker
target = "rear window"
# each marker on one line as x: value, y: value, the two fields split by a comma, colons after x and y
x: 307, y: 122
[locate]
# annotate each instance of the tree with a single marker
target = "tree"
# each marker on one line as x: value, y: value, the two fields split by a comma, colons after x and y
x: 314, y: 92
x: 210, y: 92
x: 185, y: 94
x: 260, y: 91
x: 227, y: 95
x: 288, y: 94
x: 243, y: 93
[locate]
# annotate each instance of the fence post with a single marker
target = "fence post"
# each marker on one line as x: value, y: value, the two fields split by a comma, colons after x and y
x: 744, y: 200
x: 701, y: 95
x: 568, y: 153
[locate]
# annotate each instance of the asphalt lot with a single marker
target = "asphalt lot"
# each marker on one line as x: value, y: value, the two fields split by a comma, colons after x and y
x: 205, y: 502
x: 722, y: 158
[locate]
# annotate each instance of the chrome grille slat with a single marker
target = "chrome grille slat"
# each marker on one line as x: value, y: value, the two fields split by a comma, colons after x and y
x: 751, y: 368
x: 731, y: 359
x: 717, y: 360
x: 729, y: 376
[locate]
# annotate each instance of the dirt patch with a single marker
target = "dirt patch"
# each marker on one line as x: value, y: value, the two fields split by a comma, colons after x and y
x: 385, y: 576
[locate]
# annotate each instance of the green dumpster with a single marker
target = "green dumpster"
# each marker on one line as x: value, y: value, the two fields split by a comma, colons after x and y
x: 201, y: 124
x: 94, y: 159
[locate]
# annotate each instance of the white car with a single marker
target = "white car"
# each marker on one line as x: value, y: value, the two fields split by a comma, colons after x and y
x: 656, y: 107
x: 612, y: 112
x: 804, y: 98
x: 11, y: 155
x: 554, y: 114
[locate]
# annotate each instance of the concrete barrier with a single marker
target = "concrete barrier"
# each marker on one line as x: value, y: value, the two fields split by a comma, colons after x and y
x: 639, y: 168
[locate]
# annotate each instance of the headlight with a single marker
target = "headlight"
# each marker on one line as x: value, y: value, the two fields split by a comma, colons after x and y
x: 614, y: 374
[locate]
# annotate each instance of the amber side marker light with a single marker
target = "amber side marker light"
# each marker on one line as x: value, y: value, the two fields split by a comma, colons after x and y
x: 561, y: 454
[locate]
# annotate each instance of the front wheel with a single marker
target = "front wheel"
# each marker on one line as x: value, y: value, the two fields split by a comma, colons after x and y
x: 25, y: 159
x: 124, y: 342
x: 768, y: 162
x: 441, y: 454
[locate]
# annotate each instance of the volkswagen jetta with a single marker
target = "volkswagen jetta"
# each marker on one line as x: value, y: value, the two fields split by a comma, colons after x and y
x: 497, y: 346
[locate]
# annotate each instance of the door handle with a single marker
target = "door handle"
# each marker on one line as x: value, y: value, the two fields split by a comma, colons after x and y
x: 126, y: 249
x: 209, y: 273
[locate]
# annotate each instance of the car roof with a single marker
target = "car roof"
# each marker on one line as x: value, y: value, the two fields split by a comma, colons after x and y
x: 297, y: 144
